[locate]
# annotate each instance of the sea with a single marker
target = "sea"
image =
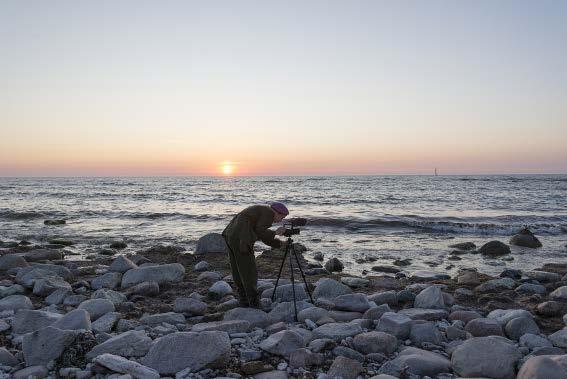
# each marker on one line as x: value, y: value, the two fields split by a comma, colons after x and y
x: 370, y: 219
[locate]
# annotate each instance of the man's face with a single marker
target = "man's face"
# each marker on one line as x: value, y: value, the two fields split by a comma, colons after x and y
x: 278, y: 217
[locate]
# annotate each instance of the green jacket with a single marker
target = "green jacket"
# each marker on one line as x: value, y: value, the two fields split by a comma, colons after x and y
x: 251, y: 225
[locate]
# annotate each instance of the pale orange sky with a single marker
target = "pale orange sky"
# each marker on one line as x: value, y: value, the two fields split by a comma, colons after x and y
x: 137, y: 88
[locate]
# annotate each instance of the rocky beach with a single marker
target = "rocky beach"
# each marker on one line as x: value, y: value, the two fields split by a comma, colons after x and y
x: 167, y: 312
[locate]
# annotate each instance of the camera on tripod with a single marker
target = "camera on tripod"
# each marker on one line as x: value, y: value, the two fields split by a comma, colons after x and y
x: 292, y: 226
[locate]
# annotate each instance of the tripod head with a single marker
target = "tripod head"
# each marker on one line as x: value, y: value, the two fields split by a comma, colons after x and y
x: 292, y: 226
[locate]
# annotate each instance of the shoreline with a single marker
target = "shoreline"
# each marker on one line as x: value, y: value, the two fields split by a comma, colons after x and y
x: 378, y: 293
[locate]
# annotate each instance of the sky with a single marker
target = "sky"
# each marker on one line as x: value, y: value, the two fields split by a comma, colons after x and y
x: 102, y: 88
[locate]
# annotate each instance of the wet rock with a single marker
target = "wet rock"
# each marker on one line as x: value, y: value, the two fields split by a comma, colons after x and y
x: 337, y: 331
x: 417, y: 362
x: 97, y: 307
x: 122, y: 264
x: 511, y: 273
x: 162, y: 274
x: 256, y: 317
x: 519, y: 326
x: 549, y: 308
x: 492, y: 357
x: 27, y: 320
x: 386, y: 269
x: 124, y: 366
x: 496, y: 285
x: 395, y: 324
x: 345, y: 368
x: 525, y: 238
x: 463, y: 246
x: 430, y: 298
x: 43, y: 255
x: 12, y: 261
x: 334, y: 265
x: 468, y: 278
x: 211, y: 243
x: 15, y: 302
x: 255, y: 367
x: 559, y: 338
x: 109, y: 280
x: 134, y: 343
x: 559, y: 294
x: 544, y: 367
x: 178, y: 351
x: 15, y: 289
x: 482, y: 327
x: 355, y: 282
x: 75, y: 320
x: 189, y: 306
x: 429, y: 275
x: 529, y: 288
x: 494, y: 249
x: 356, y: 302
x: 375, y: 342
x: 329, y: 289
x: 43, y: 345
x: 283, y: 343
x: 543, y: 276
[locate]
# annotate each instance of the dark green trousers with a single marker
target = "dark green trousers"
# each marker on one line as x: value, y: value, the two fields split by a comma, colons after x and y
x: 244, y: 272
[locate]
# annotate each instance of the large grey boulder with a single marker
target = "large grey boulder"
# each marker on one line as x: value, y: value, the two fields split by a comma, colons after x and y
x: 219, y: 290
x: 7, y: 358
x: 104, y: 324
x: 543, y: 276
x: 162, y: 274
x: 26, y: 276
x: 14, y: 289
x: 114, y: 297
x: 134, y: 343
x: 559, y: 338
x: 46, y: 344
x: 375, y: 342
x: 125, y: 366
x: 502, y: 316
x: 283, y: 343
x: 375, y: 313
x: 74, y: 320
x: 345, y: 368
x: 211, y: 243
x: 425, y: 333
x: 494, y: 249
x: 97, y: 307
x: 334, y: 265
x: 168, y: 317
x: 43, y: 255
x: 15, y: 302
x: 418, y: 362
x: 559, y: 294
x: 256, y: 317
x: 233, y: 326
x: 58, y: 296
x: 426, y: 276
x: 28, y: 320
x: 313, y: 314
x: 395, y: 324
x: 122, y: 264
x: 109, y: 280
x: 329, y: 289
x: 491, y: 357
x: 424, y: 314
x: 354, y: 302
x: 430, y: 298
x: 189, y: 306
x: 544, y: 367
x: 285, y: 311
x: 533, y: 341
x: 178, y: 351
x: 496, y: 285
x: 46, y: 286
x: 483, y: 327
x: 12, y: 261
x: 337, y: 331
x: 519, y: 326
x: 285, y: 292
x: 525, y: 238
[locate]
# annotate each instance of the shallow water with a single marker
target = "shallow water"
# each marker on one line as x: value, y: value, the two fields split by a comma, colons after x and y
x: 385, y: 217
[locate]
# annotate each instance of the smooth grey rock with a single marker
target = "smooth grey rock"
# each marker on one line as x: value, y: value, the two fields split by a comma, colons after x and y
x: 417, y: 362
x: 344, y: 368
x: 305, y: 358
x: 496, y: 285
x: 177, y: 351
x: 58, y: 296
x: 395, y: 324
x: 424, y: 314
x: 46, y: 344
x: 15, y: 289
x: 285, y: 292
x: 543, y: 276
x: 531, y: 288
x: 134, y: 343
x: 26, y: 276
x: 285, y: 311
x: 353, y: 302
x: 122, y: 264
x: 104, y: 324
x: 189, y: 306
x: 35, y: 372
x: 219, y: 290
x: 375, y: 342
x: 386, y: 297
x: 45, y: 286
x: 354, y: 282
x: 11, y: 261
x: 525, y: 238
x: 7, y: 358
x: 424, y: 275
x: 162, y: 274
x: 114, y: 297
x: 348, y: 352
x: 283, y: 343
x: 211, y: 243
x: 519, y: 326
x: 43, y: 255
x: 313, y: 314
x: 256, y: 317
x: 559, y: 294
x: 464, y: 316
x: 492, y: 357
x: 376, y: 312
x: 532, y: 341
x: 15, y: 302
x: 425, y: 333
x: 168, y: 317
x: 74, y: 320
x: 334, y: 265
x: 209, y: 276
x: 502, y: 316
x: 27, y: 320
x: 430, y: 298
x: 201, y: 266
x: 109, y: 280
x: 233, y: 326
x: 329, y: 289
x: 143, y: 289
x: 344, y: 316
x: 337, y: 331
x: 124, y: 366
x: 544, y: 367
x: 559, y: 338
x: 494, y: 249
x: 97, y: 307
x: 482, y: 327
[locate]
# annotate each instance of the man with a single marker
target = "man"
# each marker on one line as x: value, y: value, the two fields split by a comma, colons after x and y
x: 247, y: 227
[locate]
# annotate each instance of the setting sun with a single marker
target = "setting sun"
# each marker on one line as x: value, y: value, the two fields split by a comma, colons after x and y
x: 227, y: 169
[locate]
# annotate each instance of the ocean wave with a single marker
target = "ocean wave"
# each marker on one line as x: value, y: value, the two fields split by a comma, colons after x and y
x: 545, y: 225
x: 20, y: 215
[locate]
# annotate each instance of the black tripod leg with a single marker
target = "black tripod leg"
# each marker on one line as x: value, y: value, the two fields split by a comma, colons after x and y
x: 292, y: 281
x: 279, y: 273
x: 302, y: 274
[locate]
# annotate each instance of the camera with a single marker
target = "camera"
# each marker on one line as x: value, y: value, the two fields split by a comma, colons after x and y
x: 292, y: 226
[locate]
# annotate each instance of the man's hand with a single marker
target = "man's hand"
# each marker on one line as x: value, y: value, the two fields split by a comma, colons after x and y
x: 280, y: 231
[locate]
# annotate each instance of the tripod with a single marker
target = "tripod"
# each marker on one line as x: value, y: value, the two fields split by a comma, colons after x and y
x: 290, y: 250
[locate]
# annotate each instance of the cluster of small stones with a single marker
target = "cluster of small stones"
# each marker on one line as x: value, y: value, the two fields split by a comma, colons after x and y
x: 58, y: 319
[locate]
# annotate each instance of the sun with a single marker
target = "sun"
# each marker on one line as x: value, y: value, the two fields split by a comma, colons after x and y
x: 227, y: 169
